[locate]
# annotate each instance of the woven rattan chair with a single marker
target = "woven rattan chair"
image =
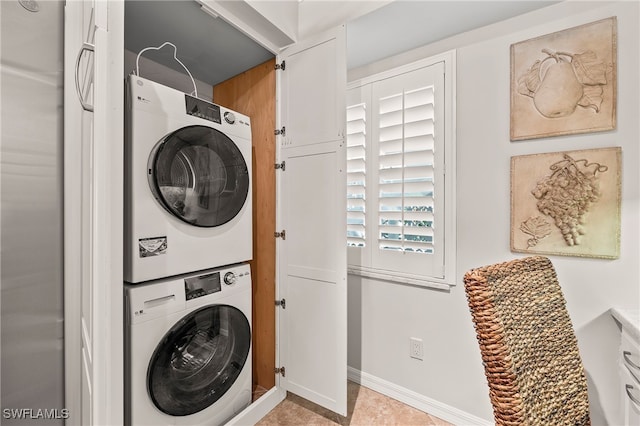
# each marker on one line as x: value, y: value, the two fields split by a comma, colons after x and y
x: 528, y: 346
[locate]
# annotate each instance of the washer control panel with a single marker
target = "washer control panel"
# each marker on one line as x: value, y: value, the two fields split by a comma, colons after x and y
x: 202, y: 285
x: 221, y: 280
x: 159, y: 298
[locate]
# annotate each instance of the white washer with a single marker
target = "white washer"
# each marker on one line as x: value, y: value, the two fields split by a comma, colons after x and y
x: 188, y: 348
x: 187, y: 184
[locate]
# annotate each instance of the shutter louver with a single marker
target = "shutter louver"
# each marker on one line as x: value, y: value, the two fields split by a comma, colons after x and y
x: 356, y: 174
x: 406, y: 171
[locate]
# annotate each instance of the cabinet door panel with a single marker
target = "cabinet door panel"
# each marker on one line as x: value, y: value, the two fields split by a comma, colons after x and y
x: 312, y: 110
x: 311, y: 205
x: 313, y: 275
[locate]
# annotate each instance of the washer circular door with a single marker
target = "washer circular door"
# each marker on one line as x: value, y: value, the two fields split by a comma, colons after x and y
x: 199, y: 175
x: 198, y: 360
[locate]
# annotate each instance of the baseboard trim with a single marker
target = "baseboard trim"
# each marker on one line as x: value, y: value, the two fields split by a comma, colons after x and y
x: 414, y: 399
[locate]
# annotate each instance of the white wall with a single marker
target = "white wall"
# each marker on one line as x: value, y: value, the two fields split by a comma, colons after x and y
x: 382, y: 316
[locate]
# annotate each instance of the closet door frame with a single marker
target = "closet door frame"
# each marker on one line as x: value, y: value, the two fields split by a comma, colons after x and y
x: 93, y: 205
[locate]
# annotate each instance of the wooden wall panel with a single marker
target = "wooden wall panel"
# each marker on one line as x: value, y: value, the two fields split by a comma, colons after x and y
x: 253, y: 93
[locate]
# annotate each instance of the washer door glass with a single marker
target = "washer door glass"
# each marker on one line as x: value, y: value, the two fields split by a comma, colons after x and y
x: 198, y: 360
x: 199, y: 175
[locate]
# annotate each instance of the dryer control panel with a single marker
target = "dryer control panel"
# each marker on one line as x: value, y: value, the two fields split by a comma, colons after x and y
x: 202, y: 109
x: 202, y: 285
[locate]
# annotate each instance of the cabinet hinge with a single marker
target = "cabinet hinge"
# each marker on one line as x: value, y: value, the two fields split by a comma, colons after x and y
x: 281, y: 234
x: 280, y: 66
x: 282, y: 131
x: 280, y: 166
x: 282, y: 303
x: 280, y: 371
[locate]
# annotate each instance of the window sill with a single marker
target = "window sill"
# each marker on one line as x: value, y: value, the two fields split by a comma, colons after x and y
x: 397, y: 277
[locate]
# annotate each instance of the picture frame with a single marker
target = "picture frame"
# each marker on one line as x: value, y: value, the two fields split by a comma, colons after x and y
x: 567, y: 203
x: 565, y: 82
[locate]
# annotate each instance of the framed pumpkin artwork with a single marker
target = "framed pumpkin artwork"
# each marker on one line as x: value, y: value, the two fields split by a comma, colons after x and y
x: 565, y: 82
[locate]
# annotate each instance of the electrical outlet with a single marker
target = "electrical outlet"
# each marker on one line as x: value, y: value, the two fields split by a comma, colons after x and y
x: 416, y: 349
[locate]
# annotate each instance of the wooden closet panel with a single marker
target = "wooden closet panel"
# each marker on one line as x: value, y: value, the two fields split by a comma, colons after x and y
x: 253, y: 93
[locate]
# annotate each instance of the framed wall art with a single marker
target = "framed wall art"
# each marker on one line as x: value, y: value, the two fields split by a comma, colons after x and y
x: 567, y: 203
x: 565, y: 82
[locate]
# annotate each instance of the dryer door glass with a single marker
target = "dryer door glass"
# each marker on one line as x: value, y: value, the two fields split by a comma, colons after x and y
x: 199, y: 175
x: 198, y: 360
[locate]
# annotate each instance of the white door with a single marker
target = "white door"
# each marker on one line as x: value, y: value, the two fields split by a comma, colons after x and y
x: 311, y: 210
x: 93, y: 211
x: 79, y: 66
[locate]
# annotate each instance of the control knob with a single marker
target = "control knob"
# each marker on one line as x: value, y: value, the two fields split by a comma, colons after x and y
x: 230, y: 278
x: 229, y: 117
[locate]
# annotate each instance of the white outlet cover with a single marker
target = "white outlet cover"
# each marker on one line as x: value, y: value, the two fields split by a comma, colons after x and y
x: 416, y: 350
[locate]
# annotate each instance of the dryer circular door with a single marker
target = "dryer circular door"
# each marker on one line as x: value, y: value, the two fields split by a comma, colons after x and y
x: 198, y: 360
x: 199, y: 175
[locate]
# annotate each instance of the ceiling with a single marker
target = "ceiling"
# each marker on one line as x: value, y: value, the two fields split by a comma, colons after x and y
x: 215, y: 51
x: 212, y: 49
x: 405, y: 25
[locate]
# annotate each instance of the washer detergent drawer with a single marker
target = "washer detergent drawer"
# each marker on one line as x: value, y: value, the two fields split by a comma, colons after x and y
x: 154, y: 300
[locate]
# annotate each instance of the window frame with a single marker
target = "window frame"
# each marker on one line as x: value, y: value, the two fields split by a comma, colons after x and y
x: 360, y: 259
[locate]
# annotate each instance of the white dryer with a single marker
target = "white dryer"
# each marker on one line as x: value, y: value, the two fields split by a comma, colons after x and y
x: 188, y: 348
x: 187, y: 183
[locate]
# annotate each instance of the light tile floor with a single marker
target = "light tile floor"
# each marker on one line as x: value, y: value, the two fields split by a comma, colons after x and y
x: 364, y: 408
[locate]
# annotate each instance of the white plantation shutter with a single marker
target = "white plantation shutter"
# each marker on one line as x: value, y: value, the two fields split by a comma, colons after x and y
x: 356, y: 174
x: 408, y: 148
x: 406, y: 171
x: 396, y: 139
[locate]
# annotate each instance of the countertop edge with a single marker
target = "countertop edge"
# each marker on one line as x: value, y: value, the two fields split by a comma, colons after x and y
x: 629, y: 319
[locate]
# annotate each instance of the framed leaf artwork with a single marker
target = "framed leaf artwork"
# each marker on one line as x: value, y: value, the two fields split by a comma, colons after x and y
x: 565, y: 82
x: 567, y: 203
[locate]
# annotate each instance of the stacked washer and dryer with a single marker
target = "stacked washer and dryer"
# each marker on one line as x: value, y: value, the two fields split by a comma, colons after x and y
x: 188, y: 232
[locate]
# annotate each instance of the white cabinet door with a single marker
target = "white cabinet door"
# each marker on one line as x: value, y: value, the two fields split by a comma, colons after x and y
x: 312, y: 90
x: 311, y: 209
x: 93, y: 175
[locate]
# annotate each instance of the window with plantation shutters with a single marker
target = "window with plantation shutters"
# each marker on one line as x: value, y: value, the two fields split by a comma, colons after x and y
x: 400, y: 200
x: 356, y: 174
x: 406, y: 171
